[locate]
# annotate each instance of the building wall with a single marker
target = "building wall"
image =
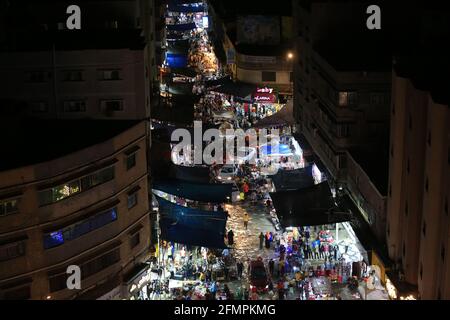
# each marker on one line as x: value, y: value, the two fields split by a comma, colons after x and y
x: 417, y: 214
x: 250, y: 69
x: 28, y: 272
x: 367, y: 197
x: 433, y: 261
x: 53, y: 90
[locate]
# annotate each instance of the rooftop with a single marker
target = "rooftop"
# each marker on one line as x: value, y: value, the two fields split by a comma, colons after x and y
x: 356, y: 51
x: 230, y: 9
x: 30, y: 141
x: 74, y: 40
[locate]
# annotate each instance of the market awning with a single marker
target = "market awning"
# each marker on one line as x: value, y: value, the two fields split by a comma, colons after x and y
x: 311, y: 206
x: 286, y: 180
x: 188, y: 72
x: 237, y: 89
x: 176, y: 60
x: 284, y: 117
x: 186, y: 8
x: 190, y: 226
x: 191, y: 174
x: 204, y: 192
x: 181, y: 27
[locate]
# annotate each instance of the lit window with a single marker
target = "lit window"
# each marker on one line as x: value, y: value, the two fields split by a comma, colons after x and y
x: 76, y: 230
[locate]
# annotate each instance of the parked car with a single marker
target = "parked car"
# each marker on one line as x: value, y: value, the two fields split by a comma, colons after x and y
x: 259, y: 278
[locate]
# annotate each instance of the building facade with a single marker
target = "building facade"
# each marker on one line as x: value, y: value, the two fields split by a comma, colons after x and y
x: 88, y: 208
x: 341, y: 102
x: 417, y: 207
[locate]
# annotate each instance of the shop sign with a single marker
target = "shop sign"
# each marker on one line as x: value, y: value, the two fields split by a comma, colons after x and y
x: 146, y: 278
x: 264, y: 97
x: 264, y: 90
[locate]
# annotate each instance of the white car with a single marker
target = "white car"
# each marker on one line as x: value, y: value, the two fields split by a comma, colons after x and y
x: 227, y: 174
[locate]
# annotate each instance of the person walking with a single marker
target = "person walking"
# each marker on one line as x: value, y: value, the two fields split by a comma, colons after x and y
x: 261, y: 240
x: 271, y: 267
x: 246, y: 220
x: 230, y: 237
x: 240, y: 268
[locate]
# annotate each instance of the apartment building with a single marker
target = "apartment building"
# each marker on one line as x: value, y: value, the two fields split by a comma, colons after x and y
x: 79, y: 199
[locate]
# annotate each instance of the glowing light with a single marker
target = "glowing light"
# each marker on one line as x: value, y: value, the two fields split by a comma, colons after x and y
x: 290, y: 55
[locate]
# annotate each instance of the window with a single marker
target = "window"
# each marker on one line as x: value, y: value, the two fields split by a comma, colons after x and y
x: 36, y: 76
x: 39, y: 106
x: 11, y: 251
x: 268, y: 76
x: 8, y: 207
x: 378, y: 98
x: 75, y: 231
x: 74, y: 187
x: 135, y: 240
x: 72, y: 75
x: 446, y: 206
x: 74, y: 106
x: 342, y: 161
x: 347, y: 99
x: 131, y: 161
x: 424, y: 229
x: 112, y: 105
x: 110, y: 75
x: 58, y: 282
x: 21, y: 293
x: 421, y: 271
x: 132, y: 200
x: 343, y: 131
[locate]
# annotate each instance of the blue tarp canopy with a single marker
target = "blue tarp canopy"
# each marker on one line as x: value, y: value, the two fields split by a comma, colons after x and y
x: 212, y: 193
x: 279, y: 149
x: 191, y: 174
x: 175, y: 60
x: 181, y: 27
x: 186, y: 8
x: 192, y: 227
x: 293, y: 179
x: 313, y: 206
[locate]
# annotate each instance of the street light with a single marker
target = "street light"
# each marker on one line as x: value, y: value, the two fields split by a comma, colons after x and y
x: 290, y: 56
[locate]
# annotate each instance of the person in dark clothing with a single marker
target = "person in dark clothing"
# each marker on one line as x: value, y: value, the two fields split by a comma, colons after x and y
x: 261, y: 241
x: 240, y: 268
x: 271, y: 267
x: 230, y: 237
x: 321, y: 251
x: 267, y: 242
